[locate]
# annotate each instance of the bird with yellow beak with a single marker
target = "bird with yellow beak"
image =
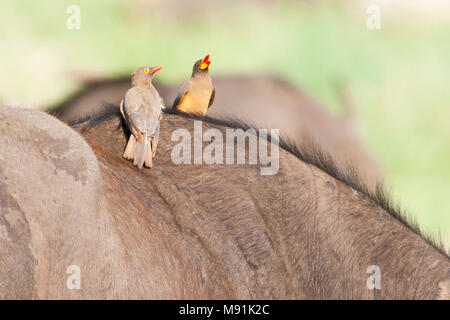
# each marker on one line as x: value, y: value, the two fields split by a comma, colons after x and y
x: 197, y: 94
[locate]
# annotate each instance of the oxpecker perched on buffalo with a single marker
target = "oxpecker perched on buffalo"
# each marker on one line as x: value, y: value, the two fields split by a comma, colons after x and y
x: 141, y: 109
x: 197, y: 94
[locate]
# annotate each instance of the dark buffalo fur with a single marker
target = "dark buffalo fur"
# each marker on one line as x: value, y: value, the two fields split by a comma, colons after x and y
x: 190, y: 231
x: 309, y: 153
x: 324, y: 232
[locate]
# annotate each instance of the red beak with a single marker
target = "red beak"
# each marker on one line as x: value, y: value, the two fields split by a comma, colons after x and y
x: 206, y: 60
x: 155, y: 69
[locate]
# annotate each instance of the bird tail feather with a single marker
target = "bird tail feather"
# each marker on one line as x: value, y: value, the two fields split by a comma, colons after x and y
x: 130, y: 149
x: 141, y: 150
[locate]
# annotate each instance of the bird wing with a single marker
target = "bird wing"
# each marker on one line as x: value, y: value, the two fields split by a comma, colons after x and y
x: 135, y: 113
x: 211, y: 100
x: 153, y: 116
x: 155, y: 105
x: 181, y: 93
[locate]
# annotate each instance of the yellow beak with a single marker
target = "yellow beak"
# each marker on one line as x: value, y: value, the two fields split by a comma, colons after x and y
x: 203, y: 66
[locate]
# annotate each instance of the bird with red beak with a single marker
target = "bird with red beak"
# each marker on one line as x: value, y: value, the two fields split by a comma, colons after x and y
x: 141, y: 109
x: 197, y: 94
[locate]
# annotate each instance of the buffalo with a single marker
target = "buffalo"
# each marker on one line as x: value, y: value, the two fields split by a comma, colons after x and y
x: 71, y: 205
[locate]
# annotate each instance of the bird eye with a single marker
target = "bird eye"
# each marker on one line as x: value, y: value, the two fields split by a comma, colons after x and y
x: 146, y: 70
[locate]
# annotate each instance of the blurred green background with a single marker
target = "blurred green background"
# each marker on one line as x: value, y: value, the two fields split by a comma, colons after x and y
x: 398, y: 76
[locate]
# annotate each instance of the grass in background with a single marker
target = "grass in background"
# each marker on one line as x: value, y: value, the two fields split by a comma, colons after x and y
x: 398, y: 75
